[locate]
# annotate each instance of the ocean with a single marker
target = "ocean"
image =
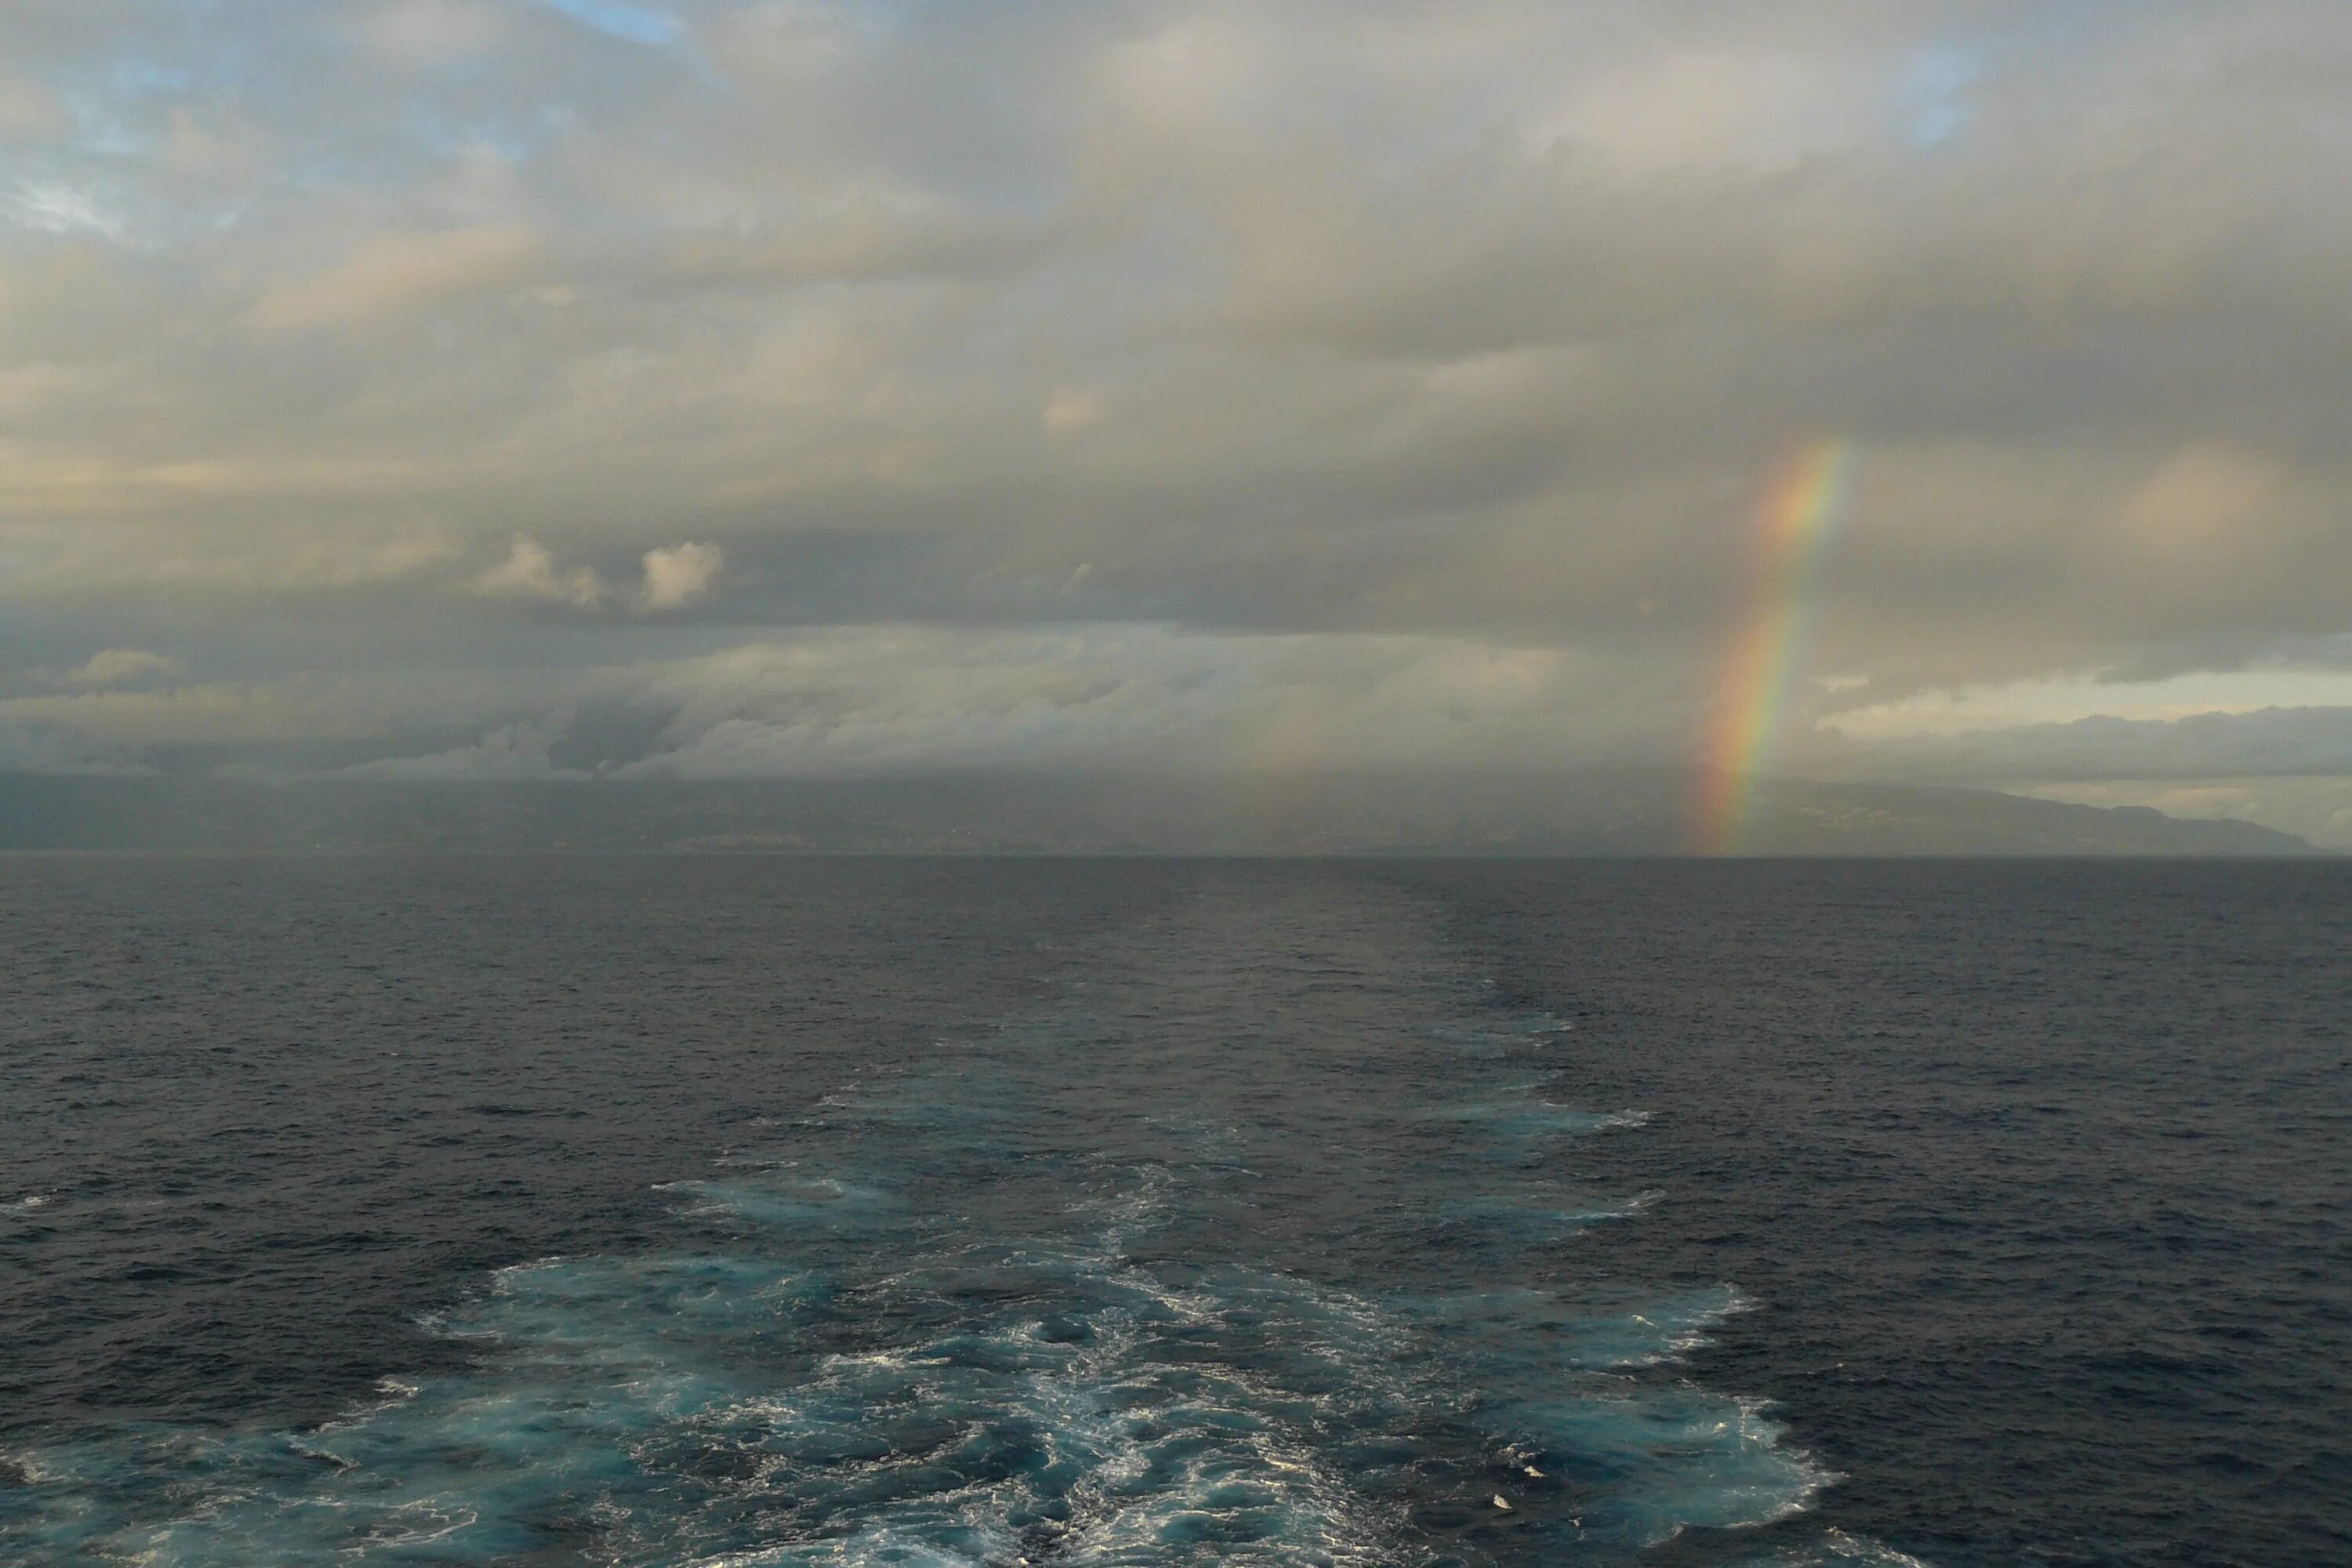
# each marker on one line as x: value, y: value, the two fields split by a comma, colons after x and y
x: 770, y: 1211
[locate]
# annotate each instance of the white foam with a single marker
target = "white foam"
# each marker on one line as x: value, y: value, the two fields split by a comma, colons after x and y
x: 1861, y: 1549
x: 27, y: 1465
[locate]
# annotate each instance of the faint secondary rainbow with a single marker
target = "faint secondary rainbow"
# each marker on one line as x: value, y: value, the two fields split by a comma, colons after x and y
x: 1796, y: 517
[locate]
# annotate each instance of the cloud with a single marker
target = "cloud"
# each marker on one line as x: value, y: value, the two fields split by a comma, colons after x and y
x: 56, y: 207
x: 884, y: 698
x: 431, y: 32
x: 122, y: 666
x: 61, y: 564
x: 120, y: 726
x: 510, y: 752
x: 28, y: 111
x: 679, y: 575
x: 529, y: 571
x: 1070, y: 409
x: 2270, y: 742
x: 634, y: 23
x: 1304, y: 336
x: 871, y: 699
x: 27, y: 749
x: 399, y: 272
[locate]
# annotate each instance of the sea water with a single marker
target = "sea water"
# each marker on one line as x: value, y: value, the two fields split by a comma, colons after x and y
x: 788, y: 1212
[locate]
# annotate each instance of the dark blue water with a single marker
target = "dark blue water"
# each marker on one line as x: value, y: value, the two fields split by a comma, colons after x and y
x: 780, y: 1212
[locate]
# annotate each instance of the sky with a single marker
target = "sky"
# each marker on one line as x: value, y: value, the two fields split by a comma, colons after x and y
x: 723, y: 388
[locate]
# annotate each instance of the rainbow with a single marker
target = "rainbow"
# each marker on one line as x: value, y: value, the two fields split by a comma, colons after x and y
x: 1797, y: 516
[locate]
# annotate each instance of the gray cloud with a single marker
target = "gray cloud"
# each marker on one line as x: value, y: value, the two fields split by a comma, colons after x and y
x: 2274, y: 743
x: 879, y: 699
x: 873, y: 699
x: 1274, y: 348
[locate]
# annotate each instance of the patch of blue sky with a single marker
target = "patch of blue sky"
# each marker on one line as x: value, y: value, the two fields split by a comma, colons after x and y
x: 118, y: 102
x: 619, y: 19
x: 1937, y: 125
x: 144, y: 78
x: 1933, y: 103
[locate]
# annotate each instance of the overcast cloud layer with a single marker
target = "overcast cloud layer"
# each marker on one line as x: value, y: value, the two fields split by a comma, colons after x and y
x: 482, y: 387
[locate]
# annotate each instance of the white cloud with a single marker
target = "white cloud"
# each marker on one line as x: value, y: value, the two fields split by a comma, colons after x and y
x: 54, y: 207
x: 122, y: 666
x: 679, y: 575
x: 529, y: 571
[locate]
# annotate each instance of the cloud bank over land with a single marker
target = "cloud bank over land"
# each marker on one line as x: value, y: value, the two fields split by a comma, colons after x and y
x: 784, y: 386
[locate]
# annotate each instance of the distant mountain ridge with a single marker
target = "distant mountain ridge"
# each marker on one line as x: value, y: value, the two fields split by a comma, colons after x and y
x: 1618, y: 813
